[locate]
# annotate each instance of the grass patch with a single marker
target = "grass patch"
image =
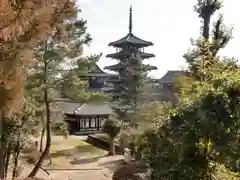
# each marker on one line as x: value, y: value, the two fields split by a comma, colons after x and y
x: 53, y: 149
x: 72, y: 146
x: 68, y: 143
x: 82, y: 150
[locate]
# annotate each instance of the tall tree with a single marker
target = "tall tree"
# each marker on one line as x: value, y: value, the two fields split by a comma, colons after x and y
x: 51, y: 58
x: 130, y: 78
x: 215, y: 39
x: 49, y: 78
x: 23, y: 24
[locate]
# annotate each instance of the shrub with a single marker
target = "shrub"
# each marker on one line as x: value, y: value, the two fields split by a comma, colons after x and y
x: 112, y: 128
x: 134, y: 171
x: 61, y: 128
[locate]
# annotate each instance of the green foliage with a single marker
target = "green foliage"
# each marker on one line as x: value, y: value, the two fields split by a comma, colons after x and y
x: 112, y: 127
x: 21, y: 126
x: 152, y: 114
x: 61, y: 128
x: 200, y: 138
x: 132, y: 74
x: 131, y: 138
x: 204, y: 129
x: 60, y: 68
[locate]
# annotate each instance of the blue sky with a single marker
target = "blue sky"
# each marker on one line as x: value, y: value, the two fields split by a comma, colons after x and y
x: 169, y: 24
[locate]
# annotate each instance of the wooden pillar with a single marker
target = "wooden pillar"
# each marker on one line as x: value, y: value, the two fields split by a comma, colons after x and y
x: 97, y: 122
x: 89, y: 121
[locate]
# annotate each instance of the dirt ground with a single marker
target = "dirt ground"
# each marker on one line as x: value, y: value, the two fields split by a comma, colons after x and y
x: 74, y: 159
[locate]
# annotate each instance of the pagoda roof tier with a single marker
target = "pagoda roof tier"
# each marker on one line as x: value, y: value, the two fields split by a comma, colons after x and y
x: 120, y: 54
x: 149, y: 67
x: 130, y: 39
x: 113, y: 80
x: 119, y: 66
x: 114, y: 67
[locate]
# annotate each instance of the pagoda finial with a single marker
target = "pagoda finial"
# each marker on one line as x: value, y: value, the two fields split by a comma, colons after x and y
x: 130, y: 19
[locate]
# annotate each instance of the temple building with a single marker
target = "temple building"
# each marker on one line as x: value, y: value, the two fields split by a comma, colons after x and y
x: 86, y: 118
x: 90, y: 117
x: 166, y: 86
x: 127, y: 47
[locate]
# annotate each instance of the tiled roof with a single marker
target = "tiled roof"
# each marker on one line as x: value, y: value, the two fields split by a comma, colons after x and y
x: 85, y: 109
x: 130, y: 39
x: 121, y: 53
x: 94, y: 109
x: 114, y: 67
x: 69, y: 107
x: 168, y: 78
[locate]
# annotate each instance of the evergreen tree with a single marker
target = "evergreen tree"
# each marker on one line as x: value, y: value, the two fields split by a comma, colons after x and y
x: 49, y: 72
x: 129, y: 81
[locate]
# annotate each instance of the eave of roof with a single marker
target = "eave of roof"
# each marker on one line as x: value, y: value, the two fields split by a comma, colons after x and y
x: 122, y: 53
x: 93, y: 109
x: 131, y: 39
x: 114, y: 67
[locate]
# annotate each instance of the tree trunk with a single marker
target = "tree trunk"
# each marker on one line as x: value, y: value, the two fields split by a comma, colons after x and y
x: 7, y: 159
x: 48, y: 122
x: 2, y: 145
x: 50, y: 158
x: 41, y: 140
x: 206, y: 24
x: 16, y: 159
x: 48, y: 138
x: 112, y: 147
x: 206, y: 19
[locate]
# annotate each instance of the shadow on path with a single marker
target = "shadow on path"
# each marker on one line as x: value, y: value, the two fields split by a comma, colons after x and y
x: 86, y: 160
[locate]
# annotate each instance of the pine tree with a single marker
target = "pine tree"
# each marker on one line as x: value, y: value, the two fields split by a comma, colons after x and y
x: 23, y: 24
x: 130, y: 79
x: 49, y: 73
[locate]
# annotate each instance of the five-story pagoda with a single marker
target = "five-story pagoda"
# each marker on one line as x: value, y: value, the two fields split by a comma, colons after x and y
x: 128, y: 49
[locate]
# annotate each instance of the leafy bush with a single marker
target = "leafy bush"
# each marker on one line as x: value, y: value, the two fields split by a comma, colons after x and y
x: 152, y: 114
x: 131, y: 139
x: 134, y: 171
x: 112, y: 128
x: 61, y: 128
